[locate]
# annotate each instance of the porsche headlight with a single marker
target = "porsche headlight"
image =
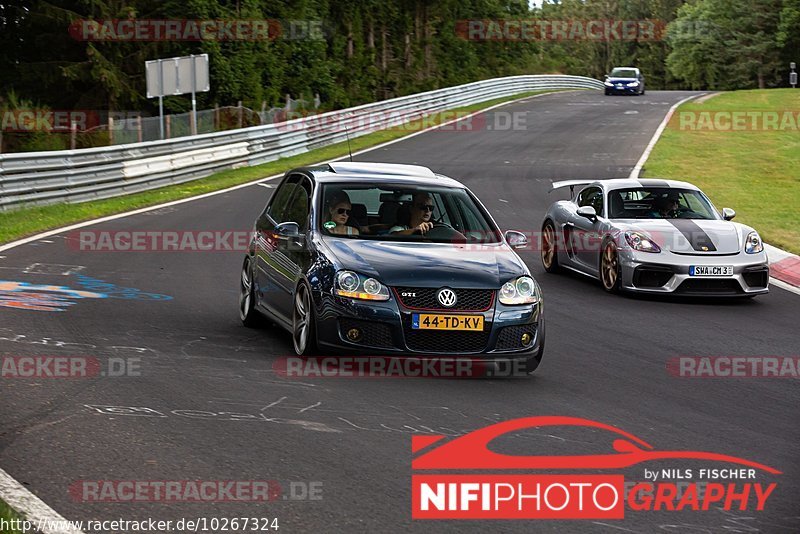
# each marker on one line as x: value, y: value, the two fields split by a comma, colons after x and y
x: 356, y: 286
x: 753, y: 243
x: 641, y: 242
x: 519, y: 291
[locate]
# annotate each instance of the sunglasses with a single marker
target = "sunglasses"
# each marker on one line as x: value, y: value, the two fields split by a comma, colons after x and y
x: 343, y: 211
x: 425, y: 207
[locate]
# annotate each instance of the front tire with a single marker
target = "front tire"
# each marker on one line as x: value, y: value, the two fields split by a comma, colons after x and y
x: 549, y: 248
x: 247, y: 298
x: 610, y: 267
x: 304, y: 335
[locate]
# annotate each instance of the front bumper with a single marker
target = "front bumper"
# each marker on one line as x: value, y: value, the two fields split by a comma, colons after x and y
x: 669, y: 273
x: 385, y: 328
x: 614, y: 90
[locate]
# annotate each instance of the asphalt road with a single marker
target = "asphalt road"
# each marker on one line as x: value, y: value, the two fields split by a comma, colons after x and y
x: 209, y: 406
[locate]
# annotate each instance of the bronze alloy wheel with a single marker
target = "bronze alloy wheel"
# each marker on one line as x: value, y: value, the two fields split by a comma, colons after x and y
x: 549, y: 251
x: 609, y: 267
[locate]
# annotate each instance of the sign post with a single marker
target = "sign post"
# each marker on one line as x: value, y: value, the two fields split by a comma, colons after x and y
x: 792, y: 75
x: 177, y: 76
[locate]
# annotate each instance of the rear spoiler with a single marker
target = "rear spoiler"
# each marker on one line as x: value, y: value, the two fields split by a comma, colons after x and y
x: 571, y: 184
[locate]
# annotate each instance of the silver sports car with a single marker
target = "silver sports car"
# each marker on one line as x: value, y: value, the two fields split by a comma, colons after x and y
x: 653, y: 236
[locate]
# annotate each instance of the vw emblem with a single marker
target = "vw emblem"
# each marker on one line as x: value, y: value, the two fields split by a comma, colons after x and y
x: 446, y: 297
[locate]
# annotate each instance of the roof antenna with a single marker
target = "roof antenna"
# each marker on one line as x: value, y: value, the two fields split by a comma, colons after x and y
x: 347, y: 135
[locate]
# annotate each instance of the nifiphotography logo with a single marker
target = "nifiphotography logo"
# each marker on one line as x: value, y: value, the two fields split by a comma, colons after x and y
x: 482, y: 484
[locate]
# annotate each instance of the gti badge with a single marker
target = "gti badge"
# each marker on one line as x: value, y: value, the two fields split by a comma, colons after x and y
x: 446, y: 297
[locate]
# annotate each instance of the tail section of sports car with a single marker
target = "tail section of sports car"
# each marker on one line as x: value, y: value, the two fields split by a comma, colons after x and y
x: 653, y: 236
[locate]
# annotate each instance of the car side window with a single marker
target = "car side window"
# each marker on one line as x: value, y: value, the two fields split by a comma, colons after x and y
x: 291, y: 202
x: 278, y: 202
x: 592, y: 196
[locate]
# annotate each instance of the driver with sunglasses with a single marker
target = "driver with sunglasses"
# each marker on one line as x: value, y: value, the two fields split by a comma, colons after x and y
x: 339, y: 208
x: 421, y: 214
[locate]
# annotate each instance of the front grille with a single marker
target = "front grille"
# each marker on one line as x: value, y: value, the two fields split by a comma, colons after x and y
x: 425, y: 299
x: 715, y: 286
x: 645, y: 276
x: 445, y: 341
x: 510, y: 337
x: 756, y: 278
x: 372, y: 334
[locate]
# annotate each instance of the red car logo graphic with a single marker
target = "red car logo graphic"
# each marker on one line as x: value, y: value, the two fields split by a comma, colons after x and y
x: 471, y: 451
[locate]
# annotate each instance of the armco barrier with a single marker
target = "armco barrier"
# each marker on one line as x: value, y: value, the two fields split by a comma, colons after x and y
x: 88, y: 174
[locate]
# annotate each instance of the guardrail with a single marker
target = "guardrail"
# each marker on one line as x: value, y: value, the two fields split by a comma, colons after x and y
x: 36, y: 178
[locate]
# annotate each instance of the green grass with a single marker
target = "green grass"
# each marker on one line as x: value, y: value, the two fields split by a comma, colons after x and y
x: 7, y: 513
x: 27, y: 221
x: 754, y: 171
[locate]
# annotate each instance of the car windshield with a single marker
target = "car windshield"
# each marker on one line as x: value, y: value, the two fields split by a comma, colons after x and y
x: 396, y: 213
x: 659, y: 203
x: 623, y: 73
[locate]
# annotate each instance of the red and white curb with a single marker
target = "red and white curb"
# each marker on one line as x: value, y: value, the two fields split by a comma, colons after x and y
x: 784, y: 269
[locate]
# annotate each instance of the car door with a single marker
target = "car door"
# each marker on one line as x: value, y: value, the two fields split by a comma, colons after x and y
x: 281, y: 244
x: 585, y: 232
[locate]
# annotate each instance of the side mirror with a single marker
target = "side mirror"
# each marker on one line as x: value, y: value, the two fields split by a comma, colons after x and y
x: 606, y: 76
x: 728, y: 214
x: 516, y: 239
x: 288, y: 229
x: 588, y: 212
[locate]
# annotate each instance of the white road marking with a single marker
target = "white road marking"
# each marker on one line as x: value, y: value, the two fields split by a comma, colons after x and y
x: 270, y: 405
x: 307, y: 407
x: 52, y: 268
x: 661, y: 127
x: 32, y: 508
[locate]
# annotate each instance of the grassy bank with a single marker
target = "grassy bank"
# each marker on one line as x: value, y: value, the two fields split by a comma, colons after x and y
x: 7, y: 514
x: 27, y: 221
x: 748, y: 161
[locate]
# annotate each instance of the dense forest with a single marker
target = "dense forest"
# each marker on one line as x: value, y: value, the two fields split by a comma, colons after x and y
x: 363, y: 50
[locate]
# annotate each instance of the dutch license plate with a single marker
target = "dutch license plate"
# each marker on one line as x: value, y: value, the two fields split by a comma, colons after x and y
x: 711, y: 270
x: 427, y: 321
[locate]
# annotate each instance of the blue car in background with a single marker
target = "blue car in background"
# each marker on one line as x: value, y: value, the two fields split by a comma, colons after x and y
x: 624, y: 81
x: 381, y: 258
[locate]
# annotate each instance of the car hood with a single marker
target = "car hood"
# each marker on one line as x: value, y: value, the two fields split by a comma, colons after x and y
x: 428, y: 264
x: 689, y: 236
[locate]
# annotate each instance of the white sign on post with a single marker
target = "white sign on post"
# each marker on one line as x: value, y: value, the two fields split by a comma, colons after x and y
x: 177, y: 76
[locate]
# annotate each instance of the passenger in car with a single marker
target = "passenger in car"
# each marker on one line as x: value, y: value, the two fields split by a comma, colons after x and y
x: 339, y: 208
x: 421, y: 212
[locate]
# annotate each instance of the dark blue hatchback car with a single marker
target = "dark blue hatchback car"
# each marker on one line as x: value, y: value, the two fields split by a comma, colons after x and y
x: 390, y: 259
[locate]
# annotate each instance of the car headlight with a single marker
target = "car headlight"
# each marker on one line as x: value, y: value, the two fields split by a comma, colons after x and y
x: 753, y: 243
x: 641, y: 242
x: 356, y: 286
x: 521, y: 290
x: 632, y: 84
x: 608, y: 84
